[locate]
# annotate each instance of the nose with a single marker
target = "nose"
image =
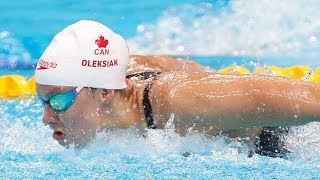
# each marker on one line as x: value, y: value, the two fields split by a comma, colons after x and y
x: 49, y: 115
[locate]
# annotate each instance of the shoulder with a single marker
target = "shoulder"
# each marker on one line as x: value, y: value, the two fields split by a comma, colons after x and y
x: 162, y: 64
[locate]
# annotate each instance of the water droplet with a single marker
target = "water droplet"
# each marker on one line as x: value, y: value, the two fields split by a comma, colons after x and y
x: 140, y: 28
x: 185, y: 66
x: 307, y: 76
x: 313, y: 39
x: 181, y: 48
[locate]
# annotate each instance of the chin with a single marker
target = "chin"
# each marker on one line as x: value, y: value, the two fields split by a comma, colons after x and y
x: 74, y: 144
x: 65, y: 143
x: 76, y: 141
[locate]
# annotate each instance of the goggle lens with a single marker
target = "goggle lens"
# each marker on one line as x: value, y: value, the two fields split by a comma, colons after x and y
x: 61, y: 102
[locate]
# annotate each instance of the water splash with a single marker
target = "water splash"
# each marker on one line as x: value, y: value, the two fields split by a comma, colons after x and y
x: 243, y: 28
x: 304, y: 141
x: 22, y: 139
x: 307, y: 76
x: 186, y: 62
x: 12, y: 51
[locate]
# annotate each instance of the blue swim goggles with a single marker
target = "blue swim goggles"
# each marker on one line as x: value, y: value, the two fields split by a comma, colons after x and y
x: 61, y: 102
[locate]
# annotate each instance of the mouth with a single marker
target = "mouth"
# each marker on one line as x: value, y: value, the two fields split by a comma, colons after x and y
x: 58, y: 135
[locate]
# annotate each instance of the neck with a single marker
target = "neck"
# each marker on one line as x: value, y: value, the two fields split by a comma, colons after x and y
x: 126, y: 109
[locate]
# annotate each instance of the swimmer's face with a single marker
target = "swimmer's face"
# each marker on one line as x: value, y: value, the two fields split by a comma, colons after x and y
x: 78, y: 123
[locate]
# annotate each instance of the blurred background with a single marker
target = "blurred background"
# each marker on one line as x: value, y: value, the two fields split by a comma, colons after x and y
x: 216, y: 33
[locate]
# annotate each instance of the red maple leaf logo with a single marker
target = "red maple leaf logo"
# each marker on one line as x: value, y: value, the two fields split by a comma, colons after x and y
x: 101, y: 42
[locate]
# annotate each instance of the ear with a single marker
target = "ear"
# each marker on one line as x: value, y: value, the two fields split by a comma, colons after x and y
x: 108, y: 95
x: 129, y: 86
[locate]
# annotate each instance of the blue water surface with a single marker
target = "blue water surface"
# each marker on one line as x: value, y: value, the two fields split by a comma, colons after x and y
x: 216, y: 33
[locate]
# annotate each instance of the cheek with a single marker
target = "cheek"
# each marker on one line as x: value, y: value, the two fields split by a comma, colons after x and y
x: 89, y: 110
x: 83, y: 114
x: 79, y: 125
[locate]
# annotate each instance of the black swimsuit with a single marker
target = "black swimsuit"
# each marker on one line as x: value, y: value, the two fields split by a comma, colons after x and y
x: 271, y: 142
x: 145, y: 100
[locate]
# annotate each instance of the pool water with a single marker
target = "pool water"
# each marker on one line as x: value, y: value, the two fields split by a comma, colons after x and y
x: 214, y: 33
x: 28, y: 151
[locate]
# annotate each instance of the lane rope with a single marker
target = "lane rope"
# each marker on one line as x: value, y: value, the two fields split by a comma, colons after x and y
x: 14, y: 86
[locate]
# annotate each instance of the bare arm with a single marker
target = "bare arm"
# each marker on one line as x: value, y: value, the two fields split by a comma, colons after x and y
x: 235, y: 101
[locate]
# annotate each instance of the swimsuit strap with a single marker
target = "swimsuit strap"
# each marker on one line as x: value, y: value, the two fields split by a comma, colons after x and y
x: 144, y: 75
x: 147, y: 106
x: 146, y: 102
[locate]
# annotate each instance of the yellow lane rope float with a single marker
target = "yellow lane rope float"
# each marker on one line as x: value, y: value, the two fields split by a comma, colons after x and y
x: 13, y: 86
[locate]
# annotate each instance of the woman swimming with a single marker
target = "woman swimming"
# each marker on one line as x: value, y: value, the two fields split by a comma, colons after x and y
x: 82, y: 99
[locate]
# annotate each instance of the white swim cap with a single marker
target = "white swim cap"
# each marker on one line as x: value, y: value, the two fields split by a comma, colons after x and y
x: 86, y: 54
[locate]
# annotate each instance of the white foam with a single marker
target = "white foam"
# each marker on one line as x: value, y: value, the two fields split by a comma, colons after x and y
x: 288, y: 28
x: 26, y: 134
x: 166, y: 142
x: 304, y: 141
x: 20, y: 138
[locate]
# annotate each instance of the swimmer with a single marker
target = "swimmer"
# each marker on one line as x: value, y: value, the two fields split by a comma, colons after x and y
x: 89, y: 84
